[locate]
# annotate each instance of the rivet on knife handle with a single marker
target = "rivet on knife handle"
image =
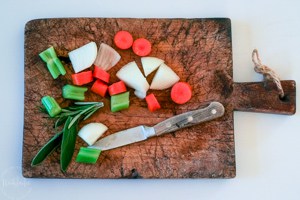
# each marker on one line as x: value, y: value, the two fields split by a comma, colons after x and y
x: 213, y: 111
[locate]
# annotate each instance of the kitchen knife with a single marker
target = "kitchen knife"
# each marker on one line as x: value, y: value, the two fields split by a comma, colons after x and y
x: 140, y: 133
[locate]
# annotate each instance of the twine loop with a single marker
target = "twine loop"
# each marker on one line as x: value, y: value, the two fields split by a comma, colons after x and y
x: 268, y: 73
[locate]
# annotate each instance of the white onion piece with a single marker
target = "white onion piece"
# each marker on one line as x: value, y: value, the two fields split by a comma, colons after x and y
x: 83, y: 57
x: 164, y: 78
x: 91, y: 132
x: 107, y: 57
x: 131, y: 75
x: 150, y: 64
x: 140, y: 94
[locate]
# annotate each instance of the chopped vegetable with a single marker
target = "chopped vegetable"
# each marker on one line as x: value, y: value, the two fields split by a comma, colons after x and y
x: 117, y: 88
x: 140, y: 94
x: 88, y: 155
x: 54, y: 65
x: 52, y: 107
x: 101, y: 74
x: 82, y: 78
x: 83, y: 57
x: 131, y: 75
x: 107, y: 57
x: 150, y: 64
x: 47, y: 149
x: 70, y: 117
x: 152, y: 102
x: 141, y: 47
x: 181, y: 92
x: 74, y: 92
x: 164, y: 78
x: 119, y: 102
x: 99, y: 88
x: 91, y: 132
x: 123, y: 40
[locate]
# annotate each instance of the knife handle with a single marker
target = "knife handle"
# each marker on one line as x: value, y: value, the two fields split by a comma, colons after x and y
x: 213, y: 111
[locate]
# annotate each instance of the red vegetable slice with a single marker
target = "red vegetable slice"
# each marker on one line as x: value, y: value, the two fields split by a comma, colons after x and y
x: 117, y: 88
x: 141, y: 47
x: 101, y: 74
x: 99, y: 87
x: 152, y: 102
x: 181, y: 92
x: 82, y: 78
x: 123, y: 40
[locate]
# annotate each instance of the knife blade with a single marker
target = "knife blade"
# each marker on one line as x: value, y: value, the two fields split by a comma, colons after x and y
x: 141, y: 133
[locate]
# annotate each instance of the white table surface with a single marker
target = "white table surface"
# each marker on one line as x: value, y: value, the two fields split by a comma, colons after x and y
x: 267, y: 146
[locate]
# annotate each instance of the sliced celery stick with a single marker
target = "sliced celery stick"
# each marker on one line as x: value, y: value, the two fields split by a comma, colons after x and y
x: 51, y: 106
x: 74, y: 92
x: 53, y: 69
x: 119, y: 102
x: 88, y: 155
x: 54, y: 65
x: 59, y: 66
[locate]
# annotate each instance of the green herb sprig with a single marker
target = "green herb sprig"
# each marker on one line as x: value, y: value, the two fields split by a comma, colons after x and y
x: 70, y: 117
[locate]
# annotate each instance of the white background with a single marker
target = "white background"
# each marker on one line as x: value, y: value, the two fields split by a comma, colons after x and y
x: 267, y: 146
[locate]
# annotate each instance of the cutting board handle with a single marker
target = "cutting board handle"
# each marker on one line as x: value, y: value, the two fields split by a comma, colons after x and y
x: 256, y: 97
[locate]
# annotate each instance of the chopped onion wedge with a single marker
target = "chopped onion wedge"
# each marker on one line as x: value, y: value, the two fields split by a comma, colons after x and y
x: 150, y: 64
x: 91, y: 132
x: 164, y: 78
x: 140, y: 94
x: 107, y: 57
x: 131, y: 75
x: 83, y: 57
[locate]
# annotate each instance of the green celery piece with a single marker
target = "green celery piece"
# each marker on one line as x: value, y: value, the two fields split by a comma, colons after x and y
x: 88, y: 155
x: 68, y: 144
x: 74, y: 92
x: 47, y: 149
x: 53, y: 69
x: 60, y: 66
x: 51, y: 106
x: 54, y: 65
x: 119, y: 102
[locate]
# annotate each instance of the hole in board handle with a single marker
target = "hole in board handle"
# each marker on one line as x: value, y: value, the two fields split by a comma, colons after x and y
x: 285, y: 98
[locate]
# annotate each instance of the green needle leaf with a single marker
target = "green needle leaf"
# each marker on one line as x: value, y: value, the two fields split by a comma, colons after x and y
x: 60, y: 121
x: 90, y: 114
x: 86, y: 103
x: 79, y: 115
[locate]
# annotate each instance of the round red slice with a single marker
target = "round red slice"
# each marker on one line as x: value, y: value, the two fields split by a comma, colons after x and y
x: 181, y: 92
x: 123, y: 40
x: 141, y: 47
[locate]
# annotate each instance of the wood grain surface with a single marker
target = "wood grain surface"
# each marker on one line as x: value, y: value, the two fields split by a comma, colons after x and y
x: 198, y: 50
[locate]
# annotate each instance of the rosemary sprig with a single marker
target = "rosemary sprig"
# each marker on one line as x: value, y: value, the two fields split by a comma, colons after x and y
x: 77, y: 111
x: 70, y: 117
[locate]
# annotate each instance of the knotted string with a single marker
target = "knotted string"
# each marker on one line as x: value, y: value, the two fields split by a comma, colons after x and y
x: 268, y: 73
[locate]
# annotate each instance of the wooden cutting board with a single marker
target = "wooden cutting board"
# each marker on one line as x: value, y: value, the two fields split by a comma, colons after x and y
x: 198, y: 50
